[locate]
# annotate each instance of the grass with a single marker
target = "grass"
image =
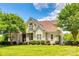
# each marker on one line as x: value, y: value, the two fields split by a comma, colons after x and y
x: 39, y: 50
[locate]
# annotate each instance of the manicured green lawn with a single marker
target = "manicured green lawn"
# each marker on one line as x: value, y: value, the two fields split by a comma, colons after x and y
x: 39, y: 50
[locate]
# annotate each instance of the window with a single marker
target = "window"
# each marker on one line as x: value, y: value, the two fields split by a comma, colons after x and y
x: 51, y: 36
x: 38, y: 36
x: 30, y: 27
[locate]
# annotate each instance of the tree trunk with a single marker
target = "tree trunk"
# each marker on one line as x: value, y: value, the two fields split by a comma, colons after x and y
x: 11, y: 39
x: 74, y: 34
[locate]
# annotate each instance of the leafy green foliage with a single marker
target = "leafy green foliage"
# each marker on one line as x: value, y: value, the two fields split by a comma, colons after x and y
x: 10, y: 22
x: 1, y: 38
x: 68, y: 37
x: 14, y: 23
x: 69, y: 19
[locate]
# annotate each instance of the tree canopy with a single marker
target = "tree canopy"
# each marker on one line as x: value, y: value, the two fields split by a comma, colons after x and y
x: 10, y: 22
x: 69, y: 19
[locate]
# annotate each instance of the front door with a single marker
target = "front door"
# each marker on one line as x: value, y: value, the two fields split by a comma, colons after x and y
x: 30, y: 36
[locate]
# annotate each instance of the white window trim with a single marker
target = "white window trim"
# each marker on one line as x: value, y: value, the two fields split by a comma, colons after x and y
x: 38, y: 36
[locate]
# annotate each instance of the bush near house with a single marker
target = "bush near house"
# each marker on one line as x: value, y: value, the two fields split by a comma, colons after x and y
x: 43, y: 42
x: 68, y: 40
x: 47, y: 42
x: 68, y: 37
x: 38, y: 42
x: 4, y: 40
x: 72, y: 43
x: 35, y: 42
x: 31, y: 42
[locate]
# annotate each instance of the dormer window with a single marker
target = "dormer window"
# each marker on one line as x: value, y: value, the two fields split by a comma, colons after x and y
x: 30, y: 26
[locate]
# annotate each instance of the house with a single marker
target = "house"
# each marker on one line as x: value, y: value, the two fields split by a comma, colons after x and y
x: 43, y: 30
x: 39, y: 30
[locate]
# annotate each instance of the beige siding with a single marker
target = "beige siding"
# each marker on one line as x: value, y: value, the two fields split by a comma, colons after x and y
x: 34, y: 26
x: 55, y: 38
x: 39, y: 31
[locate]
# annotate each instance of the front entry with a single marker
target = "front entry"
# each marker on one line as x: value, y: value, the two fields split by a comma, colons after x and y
x: 23, y: 37
x: 30, y: 36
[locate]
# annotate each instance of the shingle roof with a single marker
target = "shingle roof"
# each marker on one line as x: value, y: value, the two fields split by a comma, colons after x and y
x: 48, y: 26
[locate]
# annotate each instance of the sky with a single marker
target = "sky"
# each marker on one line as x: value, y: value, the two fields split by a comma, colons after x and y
x: 39, y: 11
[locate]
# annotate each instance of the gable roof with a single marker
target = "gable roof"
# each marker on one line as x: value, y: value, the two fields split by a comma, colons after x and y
x: 47, y: 26
x: 35, y: 21
x: 54, y: 22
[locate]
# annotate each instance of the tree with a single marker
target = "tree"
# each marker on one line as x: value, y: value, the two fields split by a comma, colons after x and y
x: 68, y: 19
x: 68, y: 37
x: 10, y: 22
x: 2, y: 23
x: 14, y: 23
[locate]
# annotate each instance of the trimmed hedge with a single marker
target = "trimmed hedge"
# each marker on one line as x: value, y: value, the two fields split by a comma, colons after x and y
x: 43, y: 42
x: 33, y: 42
x: 47, y: 42
x: 39, y: 42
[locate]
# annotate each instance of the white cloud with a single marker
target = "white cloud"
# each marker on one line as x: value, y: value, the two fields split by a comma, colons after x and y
x: 39, y: 6
x: 53, y: 15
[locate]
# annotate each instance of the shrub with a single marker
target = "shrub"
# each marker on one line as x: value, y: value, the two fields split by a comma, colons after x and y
x: 57, y: 42
x: 43, y: 42
x: 68, y: 42
x: 14, y: 43
x: 76, y: 43
x: 5, y: 43
x: 38, y: 42
x: 47, y: 42
x: 3, y: 40
x: 5, y: 37
x: 27, y: 43
x: 33, y: 42
x: 71, y: 42
x: 68, y: 37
